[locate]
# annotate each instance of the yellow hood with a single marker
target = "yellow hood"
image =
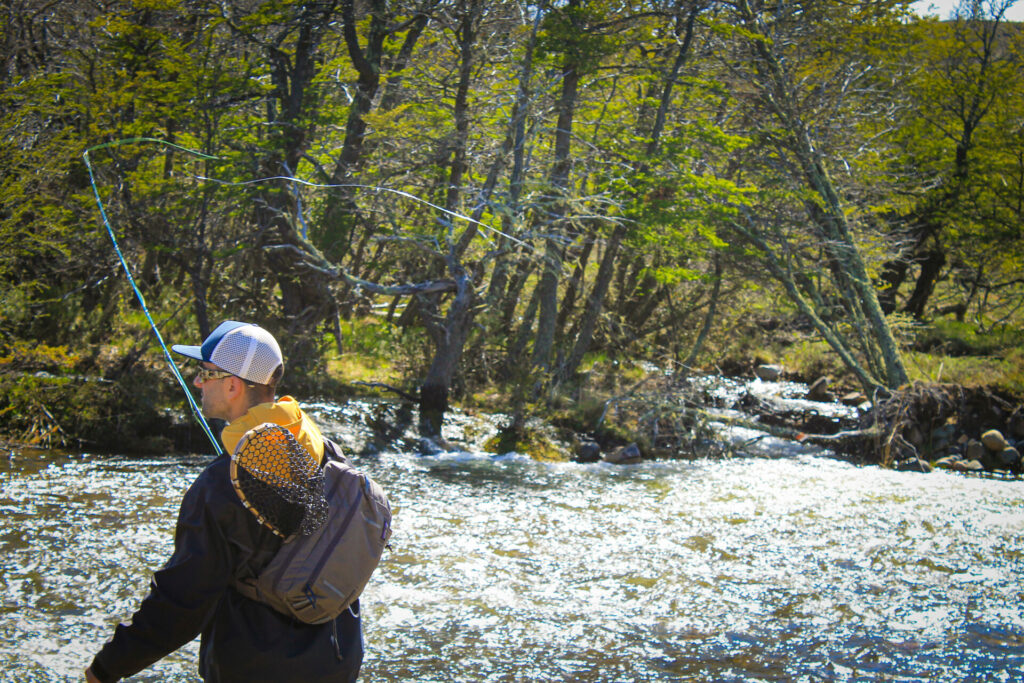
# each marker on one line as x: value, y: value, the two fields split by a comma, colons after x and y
x: 285, y: 412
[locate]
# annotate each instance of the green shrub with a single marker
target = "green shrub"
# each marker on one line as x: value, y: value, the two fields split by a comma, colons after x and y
x: 45, y: 402
x: 25, y: 357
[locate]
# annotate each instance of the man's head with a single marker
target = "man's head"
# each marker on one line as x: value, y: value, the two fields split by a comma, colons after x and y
x: 241, y: 365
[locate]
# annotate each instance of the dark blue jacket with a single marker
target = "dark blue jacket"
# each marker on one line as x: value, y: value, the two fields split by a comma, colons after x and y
x: 217, y: 541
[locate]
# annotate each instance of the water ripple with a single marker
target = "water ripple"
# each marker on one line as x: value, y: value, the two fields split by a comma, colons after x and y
x: 504, y: 569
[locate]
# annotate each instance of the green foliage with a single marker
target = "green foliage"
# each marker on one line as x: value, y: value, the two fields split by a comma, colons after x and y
x: 82, y: 413
x: 879, y: 95
x: 532, y: 441
x: 573, y: 32
x: 25, y: 357
x: 375, y: 351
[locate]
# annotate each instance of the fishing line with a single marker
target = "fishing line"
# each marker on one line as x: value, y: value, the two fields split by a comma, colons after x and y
x: 377, y: 188
x: 295, y: 181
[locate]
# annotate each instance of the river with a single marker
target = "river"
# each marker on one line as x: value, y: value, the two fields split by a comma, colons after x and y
x: 793, y: 567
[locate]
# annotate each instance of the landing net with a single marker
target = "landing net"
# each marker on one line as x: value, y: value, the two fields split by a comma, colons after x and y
x: 278, y: 480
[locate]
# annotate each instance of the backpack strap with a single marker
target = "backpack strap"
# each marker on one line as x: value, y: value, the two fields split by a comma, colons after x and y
x: 333, y: 451
x: 247, y: 588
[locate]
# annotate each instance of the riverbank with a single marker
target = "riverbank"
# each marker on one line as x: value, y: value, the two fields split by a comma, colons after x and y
x: 655, y: 415
x: 613, y: 410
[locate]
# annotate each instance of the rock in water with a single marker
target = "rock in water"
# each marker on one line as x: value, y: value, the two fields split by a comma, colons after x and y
x: 1009, y: 458
x: 768, y: 373
x: 913, y: 464
x: 854, y: 398
x: 627, y: 455
x: 588, y: 451
x: 819, y: 391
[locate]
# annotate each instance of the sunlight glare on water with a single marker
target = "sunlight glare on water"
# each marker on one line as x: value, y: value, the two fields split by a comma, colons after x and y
x: 503, y: 569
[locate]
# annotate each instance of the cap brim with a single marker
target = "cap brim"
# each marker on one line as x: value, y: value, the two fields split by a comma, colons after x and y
x: 195, y: 352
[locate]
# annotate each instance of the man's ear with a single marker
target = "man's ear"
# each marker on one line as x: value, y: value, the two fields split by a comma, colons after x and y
x: 236, y: 387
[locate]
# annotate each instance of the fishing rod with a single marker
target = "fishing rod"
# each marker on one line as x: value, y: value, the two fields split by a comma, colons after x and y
x: 295, y: 181
x: 131, y: 280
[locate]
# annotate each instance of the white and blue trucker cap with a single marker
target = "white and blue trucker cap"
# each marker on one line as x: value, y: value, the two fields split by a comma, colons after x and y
x: 243, y: 349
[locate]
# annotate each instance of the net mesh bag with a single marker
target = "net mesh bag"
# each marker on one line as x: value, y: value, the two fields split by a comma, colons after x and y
x: 278, y: 480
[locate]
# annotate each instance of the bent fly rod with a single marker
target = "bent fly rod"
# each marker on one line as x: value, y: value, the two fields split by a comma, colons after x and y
x: 131, y: 280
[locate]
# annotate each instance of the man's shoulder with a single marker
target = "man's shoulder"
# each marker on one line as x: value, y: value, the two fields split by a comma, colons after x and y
x: 214, y: 480
x: 215, y: 467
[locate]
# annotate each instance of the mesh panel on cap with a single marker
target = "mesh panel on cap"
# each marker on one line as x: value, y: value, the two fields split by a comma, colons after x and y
x: 249, y: 352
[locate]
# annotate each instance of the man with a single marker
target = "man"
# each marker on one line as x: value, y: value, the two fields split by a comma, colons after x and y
x: 218, y: 541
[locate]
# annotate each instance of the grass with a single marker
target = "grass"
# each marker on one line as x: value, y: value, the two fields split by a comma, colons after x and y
x: 1005, y: 373
x: 943, y: 351
x: 948, y: 351
x: 947, y: 337
x: 807, y: 360
x: 373, y: 351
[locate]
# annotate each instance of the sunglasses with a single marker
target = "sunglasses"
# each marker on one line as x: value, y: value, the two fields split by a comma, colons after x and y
x: 205, y: 374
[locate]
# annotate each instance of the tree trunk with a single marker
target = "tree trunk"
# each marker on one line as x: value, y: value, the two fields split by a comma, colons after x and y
x: 341, y: 215
x: 552, y: 264
x: 450, y: 338
x: 499, y: 294
x: 827, y: 212
x: 438, y: 381
x: 573, y: 286
x: 709, y: 317
x: 306, y: 297
x: 594, y: 304
x: 931, y: 268
x: 595, y: 301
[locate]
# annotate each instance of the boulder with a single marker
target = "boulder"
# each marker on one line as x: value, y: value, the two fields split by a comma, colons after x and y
x: 1015, y: 423
x: 627, y: 455
x: 950, y: 462
x: 768, y: 373
x: 913, y: 465
x: 436, y: 446
x: 1009, y: 458
x: 588, y: 451
x: 819, y: 390
x: 994, y: 440
x: 975, y: 450
x: 944, y: 433
x: 972, y: 466
x: 991, y: 461
x: 942, y: 440
x: 854, y: 398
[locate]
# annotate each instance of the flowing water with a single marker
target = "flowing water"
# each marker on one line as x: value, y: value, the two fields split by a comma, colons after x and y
x: 794, y: 567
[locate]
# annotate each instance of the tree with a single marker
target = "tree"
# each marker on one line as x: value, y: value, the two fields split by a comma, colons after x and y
x: 803, y: 61
x: 955, y: 134
x: 644, y: 182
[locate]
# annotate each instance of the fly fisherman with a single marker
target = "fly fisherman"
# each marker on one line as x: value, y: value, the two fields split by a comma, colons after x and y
x: 218, y: 541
